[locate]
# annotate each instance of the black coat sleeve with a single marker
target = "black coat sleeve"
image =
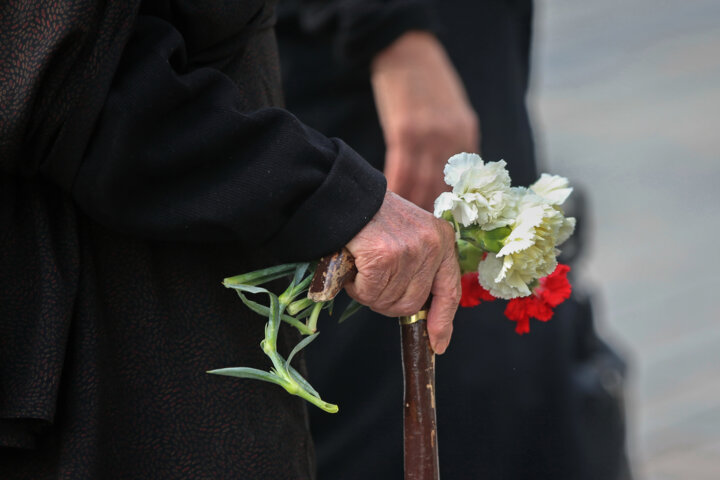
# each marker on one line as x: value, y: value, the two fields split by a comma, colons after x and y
x: 359, y: 29
x: 174, y: 157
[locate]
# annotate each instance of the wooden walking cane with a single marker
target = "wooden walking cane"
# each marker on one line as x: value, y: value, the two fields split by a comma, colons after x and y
x: 419, y: 420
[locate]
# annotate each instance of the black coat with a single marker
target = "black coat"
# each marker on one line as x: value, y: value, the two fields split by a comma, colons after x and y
x: 509, y: 407
x: 141, y: 162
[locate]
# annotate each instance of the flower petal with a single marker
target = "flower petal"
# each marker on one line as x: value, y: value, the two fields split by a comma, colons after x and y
x: 458, y: 164
x: 553, y: 189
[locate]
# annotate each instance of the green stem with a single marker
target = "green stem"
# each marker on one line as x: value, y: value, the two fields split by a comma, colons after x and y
x: 302, y: 328
x: 298, y: 305
x: 261, y: 276
x: 318, y: 402
x: 293, y: 291
x: 269, y: 344
x: 313, y: 319
x: 282, y: 373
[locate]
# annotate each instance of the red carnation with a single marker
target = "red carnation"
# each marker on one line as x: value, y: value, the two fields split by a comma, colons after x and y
x: 472, y: 292
x: 550, y: 292
x: 555, y: 288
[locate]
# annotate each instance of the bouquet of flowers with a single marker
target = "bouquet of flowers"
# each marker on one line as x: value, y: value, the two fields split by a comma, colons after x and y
x: 507, y: 239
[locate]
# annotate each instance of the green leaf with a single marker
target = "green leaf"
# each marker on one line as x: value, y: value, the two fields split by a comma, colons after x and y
x: 351, y: 309
x: 302, y: 286
x: 447, y: 215
x: 293, y: 291
x: 274, y: 317
x: 469, y: 256
x: 491, y: 241
x: 264, y: 311
x: 299, y: 273
x: 300, y: 380
x: 247, y: 372
x: 256, y: 307
x: 258, y: 277
x: 249, y: 288
x: 303, y: 343
x: 494, y: 239
x: 329, y: 305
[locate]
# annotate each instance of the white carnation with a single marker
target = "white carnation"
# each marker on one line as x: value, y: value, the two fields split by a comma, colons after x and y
x: 458, y: 164
x: 480, y: 191
x: 566, y: 229
x: 482, y: 197
x: 554, y: 189
x: 462, y: 211
x: 529, y: 252
x: 511, y: 286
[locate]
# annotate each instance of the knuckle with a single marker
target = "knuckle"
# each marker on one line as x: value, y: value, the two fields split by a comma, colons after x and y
x: 383, y: 306
x: 446, y: 232
x: 407, y: 307
x: 372, y: 286
x: 406, y: 132
x: 455, y: 293
x: 382, y: 257
x: 430, y: 239
x: 416, y: 247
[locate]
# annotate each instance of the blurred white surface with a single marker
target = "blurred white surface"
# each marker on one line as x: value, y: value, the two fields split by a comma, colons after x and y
x: 626, y: 102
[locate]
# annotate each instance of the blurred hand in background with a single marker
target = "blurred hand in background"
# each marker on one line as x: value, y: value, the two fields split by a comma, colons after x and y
x: 424, y: 113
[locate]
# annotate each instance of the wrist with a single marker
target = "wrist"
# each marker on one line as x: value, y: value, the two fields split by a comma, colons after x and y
x: 408, y: 48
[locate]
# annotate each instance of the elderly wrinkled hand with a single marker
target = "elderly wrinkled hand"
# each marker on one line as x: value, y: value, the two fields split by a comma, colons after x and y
x: 403, y: 255
x: 424, y: 113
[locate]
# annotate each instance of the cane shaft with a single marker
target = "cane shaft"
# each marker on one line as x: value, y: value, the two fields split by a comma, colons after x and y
x: 420, y: 427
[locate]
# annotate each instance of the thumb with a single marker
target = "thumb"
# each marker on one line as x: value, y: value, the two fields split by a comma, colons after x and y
x: 446, y: 296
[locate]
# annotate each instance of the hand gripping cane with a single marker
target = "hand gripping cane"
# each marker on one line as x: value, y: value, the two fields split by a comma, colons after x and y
x: 420, y: 425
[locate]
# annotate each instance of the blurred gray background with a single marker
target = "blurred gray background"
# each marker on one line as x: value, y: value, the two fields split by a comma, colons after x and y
x: 626, y: 103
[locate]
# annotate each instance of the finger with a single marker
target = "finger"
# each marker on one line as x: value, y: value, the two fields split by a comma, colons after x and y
x: 417, y: 179
x: 399, y: 287
x: 383, y: 272
x: 414, y: 297
x: 391, y: 304
x: 398, y: 173
x: 417, y: 283
x: 446, y: 296
x: 368, y: 284
x: 428, y: 185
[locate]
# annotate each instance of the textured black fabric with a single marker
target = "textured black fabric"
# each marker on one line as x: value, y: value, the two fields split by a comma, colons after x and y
x: 355, y: 29
x: 143, y: 161
x: 509, y: 407
x: 58, y: 58
x: 183, y: 156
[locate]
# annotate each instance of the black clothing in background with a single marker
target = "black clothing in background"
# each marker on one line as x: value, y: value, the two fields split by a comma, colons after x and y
x: 142, y: 160
x: 488, y: 42
x: 509, y: 407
